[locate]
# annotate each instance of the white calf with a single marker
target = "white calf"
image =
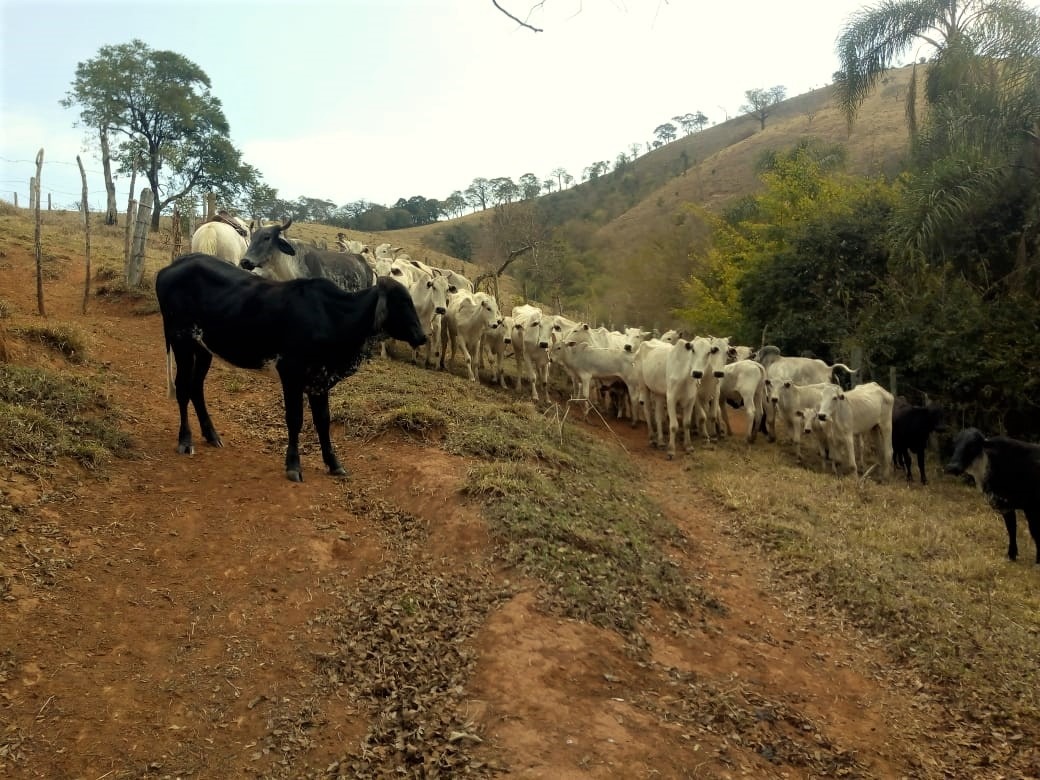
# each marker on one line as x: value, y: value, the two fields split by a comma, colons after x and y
x: 744, y: 385
x: 469, y: 317
x: 532, y: 332
x: 866, y: 409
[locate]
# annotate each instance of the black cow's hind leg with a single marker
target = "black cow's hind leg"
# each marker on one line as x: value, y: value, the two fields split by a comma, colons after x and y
x: 920, y: 466
x: 185, y: 359
x: 293, y: 395
x: 1012, y: 530
x: 203, y: 360
x: 319, y: 403
x: 1033, y: 517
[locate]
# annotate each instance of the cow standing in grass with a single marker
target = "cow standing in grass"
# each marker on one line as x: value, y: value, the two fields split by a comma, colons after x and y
x: 308, y: 332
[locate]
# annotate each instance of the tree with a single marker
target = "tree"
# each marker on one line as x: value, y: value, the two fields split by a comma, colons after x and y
x: 455, y: 203
x: 504, y: 190
x: 559, y: 173
x: 699, y: 121
x: 686, y: 121
x: 972, y: 195
x: 478, y: 193
x: 634, y: 148
x: 664, y: 133
x: 159, y: 102
x: 874, y: 37
x: 530, y: 187
x: 760, y: 102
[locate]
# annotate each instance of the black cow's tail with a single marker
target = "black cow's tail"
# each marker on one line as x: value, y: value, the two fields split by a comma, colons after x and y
x: 171, y: 390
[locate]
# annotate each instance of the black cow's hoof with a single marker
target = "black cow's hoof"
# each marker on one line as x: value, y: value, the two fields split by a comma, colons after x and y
x: 294, y: 475
x: 338, y: 471
x: 186, y: 449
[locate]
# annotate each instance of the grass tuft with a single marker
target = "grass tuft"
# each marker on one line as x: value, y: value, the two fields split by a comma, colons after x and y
x: 67, y: 340
x: 45, y: 416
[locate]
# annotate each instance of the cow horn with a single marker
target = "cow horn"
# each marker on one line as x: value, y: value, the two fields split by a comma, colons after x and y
x: 286, y: 225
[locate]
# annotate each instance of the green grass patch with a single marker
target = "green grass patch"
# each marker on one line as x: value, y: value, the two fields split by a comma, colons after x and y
x: 45, y: 416
x: 564, y: 506
x: 923, y: 568
x: 67, y: 340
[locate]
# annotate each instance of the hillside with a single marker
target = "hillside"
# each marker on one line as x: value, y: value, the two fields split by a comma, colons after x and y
x: 719, y: 168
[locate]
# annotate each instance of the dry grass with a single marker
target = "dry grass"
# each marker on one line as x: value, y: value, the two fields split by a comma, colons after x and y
x: 924, y: 568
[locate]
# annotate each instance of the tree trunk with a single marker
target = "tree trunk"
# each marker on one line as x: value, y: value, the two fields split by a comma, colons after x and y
x: 131, y: 213
x: 110, y: 185
x: 157, y: 204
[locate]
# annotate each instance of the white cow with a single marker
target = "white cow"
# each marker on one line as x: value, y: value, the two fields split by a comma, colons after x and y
x: 665, y: 376
x: 744, y: 385
x: 589, y: 363
x: 866, y: 409
x: 222, y: 239
x: 708, y: 369
x: 800, y: 370
x: 469, y: 318
x: 792, y: 401
x: 430, y: 297
x: 496, y: 344
x: 532, y: 333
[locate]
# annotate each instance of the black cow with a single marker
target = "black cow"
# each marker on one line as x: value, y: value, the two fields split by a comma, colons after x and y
x: 309, y: 331
x: 274, y: 257
x: 1007, y: 471
x: 911, y: 427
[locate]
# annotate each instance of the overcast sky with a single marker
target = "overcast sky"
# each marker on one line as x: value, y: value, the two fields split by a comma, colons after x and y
x: 382, y: 99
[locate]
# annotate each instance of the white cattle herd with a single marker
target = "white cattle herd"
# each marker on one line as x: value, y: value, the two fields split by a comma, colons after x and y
x: 669, y: 379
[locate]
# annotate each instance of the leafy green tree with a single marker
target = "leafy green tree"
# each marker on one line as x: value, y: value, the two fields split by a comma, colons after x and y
x: 761, y: 102
x: 972, y: 196
x: 560, y: 174
x: 875, y: 36
x: 504, y: 190
x: 530, y: 187
x: 699, y: 121
x: 455, y: 203
x: 478, y: 193
x: 159, y: 103
x: 665, y: 133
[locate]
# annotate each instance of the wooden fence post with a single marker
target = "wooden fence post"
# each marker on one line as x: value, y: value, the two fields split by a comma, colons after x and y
x: 131, y: 214
x: 86, y: 231
x: 211, y: 205
x: 175, y: 250
x: 16, y: 200
x: 49, y: 202
x: 34, y: 197
x: 32, y: 193
x: 135, y: 268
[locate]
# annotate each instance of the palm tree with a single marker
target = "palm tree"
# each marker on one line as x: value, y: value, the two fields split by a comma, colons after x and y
x: 977, y: 152
x: 874, y: 37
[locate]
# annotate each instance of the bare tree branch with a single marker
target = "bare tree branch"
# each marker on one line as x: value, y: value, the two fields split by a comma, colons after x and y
x: 518, y: 21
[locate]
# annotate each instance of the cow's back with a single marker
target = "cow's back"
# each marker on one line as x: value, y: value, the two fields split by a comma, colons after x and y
x: 347, y: 271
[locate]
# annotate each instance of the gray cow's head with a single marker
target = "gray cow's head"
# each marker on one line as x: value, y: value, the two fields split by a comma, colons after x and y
x: 265, y: 246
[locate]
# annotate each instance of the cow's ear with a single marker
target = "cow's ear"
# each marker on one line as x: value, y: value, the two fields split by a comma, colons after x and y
x: 731, y: 352
x: 285, y: 247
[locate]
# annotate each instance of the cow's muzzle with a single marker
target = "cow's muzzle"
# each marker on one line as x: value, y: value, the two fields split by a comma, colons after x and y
x: 247, y: 264
x: 697, y: 374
